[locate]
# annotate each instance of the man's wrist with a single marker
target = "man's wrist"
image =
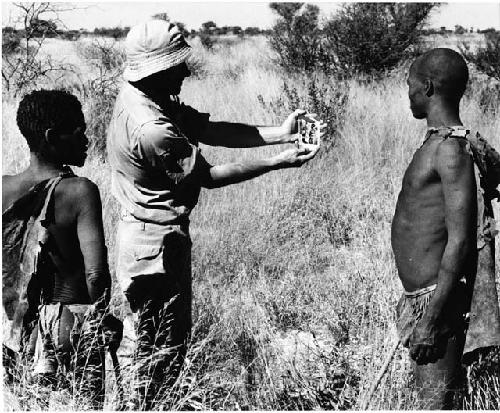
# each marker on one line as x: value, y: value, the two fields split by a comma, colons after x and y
x: 274, y: 163
x: 431, y: 315
x: 286, y: 136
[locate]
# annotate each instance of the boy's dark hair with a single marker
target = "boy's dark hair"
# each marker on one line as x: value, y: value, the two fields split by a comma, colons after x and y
x: 44, y: 109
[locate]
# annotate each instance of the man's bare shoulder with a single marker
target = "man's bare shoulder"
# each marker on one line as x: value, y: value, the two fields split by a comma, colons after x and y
x: 452, y: 157
x: 80, y: 192
x: 13, y: 186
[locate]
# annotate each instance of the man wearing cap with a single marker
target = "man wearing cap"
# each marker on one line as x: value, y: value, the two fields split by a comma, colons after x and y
x: 157, y: 173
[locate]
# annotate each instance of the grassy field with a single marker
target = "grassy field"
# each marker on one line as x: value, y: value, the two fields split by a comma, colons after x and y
x: 294, y: 280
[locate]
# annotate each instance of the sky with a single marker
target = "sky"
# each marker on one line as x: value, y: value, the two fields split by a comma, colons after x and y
x: 239, y: 13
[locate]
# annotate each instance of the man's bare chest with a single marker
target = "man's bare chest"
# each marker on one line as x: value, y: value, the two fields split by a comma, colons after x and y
x: 420, y: 176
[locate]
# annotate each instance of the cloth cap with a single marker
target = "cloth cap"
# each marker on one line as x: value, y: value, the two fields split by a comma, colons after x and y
x: 153, y: 46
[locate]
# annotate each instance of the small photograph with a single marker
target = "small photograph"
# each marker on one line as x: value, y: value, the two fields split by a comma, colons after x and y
x: 258, y: 206
x: 309, y: 131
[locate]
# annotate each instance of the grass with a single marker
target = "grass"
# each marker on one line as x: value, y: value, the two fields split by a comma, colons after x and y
x: 294, y: 280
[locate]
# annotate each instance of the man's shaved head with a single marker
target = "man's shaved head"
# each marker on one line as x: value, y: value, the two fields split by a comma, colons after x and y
x: 446, y: 69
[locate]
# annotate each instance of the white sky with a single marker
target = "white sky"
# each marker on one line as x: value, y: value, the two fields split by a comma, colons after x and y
x: 239, y: 13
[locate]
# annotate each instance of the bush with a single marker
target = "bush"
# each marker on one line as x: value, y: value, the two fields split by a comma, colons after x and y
x: 297, y: 38
x: 486, y: 59
x: 364, y: 38
x: 370, y: 38
x: 11, y: 43
x: 207, y: 41
x: 100, y: 90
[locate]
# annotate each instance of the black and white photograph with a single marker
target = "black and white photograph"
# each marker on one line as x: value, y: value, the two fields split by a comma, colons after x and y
x: 268, y: 206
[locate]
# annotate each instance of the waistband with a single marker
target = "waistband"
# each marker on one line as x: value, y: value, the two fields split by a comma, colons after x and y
x: 74, y: 308
x: 420, y: 291
x: 429, y: 289
x: 182, y: 223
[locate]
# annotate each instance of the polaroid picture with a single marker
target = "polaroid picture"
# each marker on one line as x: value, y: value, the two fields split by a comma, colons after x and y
x: 309, y: 131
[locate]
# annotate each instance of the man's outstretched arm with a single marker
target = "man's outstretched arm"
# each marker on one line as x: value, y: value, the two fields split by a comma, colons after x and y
x: 239, y: 135
x: 232, y: 173
x: 456, y: 170
x: 91, y: 237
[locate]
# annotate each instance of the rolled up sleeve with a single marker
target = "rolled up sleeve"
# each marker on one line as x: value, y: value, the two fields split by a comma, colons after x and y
x: 168, y: 152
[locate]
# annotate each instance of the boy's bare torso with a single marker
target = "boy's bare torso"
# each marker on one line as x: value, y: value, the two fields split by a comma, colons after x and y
x: 419, y: 233
x: 70, y: 283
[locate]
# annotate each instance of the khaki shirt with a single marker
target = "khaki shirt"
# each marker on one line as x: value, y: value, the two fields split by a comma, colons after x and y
x: 154, y: 156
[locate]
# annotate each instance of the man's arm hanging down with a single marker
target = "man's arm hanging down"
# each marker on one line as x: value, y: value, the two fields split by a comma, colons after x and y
x: 91, y: 237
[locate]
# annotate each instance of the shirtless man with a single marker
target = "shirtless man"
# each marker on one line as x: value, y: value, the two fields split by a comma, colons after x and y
x: 434, y: 230
x: 75, y: 271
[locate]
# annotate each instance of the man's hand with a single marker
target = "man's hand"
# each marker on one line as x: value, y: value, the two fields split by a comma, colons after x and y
x: 295, y: 157
x: 290, y: 126
x: 112, y: 328
x: 427, y: 342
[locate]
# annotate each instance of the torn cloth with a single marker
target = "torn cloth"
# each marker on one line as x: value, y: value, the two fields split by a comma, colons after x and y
x: 24, y: 258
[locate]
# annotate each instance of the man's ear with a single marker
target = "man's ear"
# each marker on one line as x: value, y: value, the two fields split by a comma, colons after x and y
x: 429, y: 87
x: 51, y: 136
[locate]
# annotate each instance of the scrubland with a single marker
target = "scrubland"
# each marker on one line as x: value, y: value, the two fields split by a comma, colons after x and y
x: 294, y: 280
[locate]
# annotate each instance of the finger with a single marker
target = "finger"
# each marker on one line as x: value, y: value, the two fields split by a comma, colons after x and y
x: 302, y: 150
x: 299, y: 112
x: 310, y: 155
x: 311, y: 115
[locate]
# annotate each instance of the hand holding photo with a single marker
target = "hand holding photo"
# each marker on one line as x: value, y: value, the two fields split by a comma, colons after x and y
x: 310, y: 131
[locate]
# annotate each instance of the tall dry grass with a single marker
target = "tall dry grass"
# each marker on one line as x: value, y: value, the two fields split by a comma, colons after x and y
x: 294, y: 280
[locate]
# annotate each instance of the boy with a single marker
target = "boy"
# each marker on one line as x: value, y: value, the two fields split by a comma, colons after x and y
x: 55, y: 272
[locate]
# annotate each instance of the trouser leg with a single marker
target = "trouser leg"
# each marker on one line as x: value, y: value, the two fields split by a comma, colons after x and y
x: 162, y: 329
x: 159, y: 292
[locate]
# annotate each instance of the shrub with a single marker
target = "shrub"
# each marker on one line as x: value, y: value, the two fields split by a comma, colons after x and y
x: 23, y: 66
x: 11, y: 42
x: 370, y: 38
x: 362, y: 38
x: 207, y: 41
x: 489, y: 97
x: 487, y: 58
x: 296, y: 37
x: 100, y: 90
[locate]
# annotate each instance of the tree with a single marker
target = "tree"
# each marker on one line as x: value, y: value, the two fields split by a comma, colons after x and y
x: 40, y: 28
x: 373, y: 37
x: 486, y: 58
x: 208, y: 27
x: 286, y: 11
x: 236, y: 30
x: 20, y: 70
x: 252, y: 31
x: 297, y: 38
x: 182, y: 29
x: 161, y: 16
x: 460, y: 29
